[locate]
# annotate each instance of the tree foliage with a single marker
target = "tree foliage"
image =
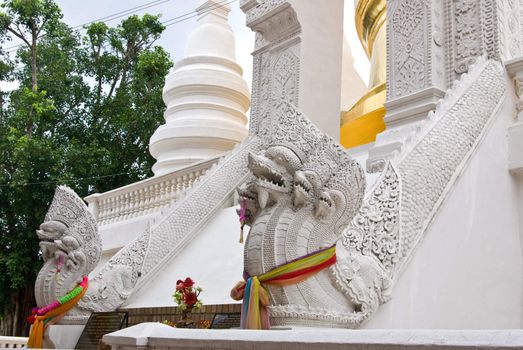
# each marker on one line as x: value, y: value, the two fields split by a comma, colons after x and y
x: 84, y: 111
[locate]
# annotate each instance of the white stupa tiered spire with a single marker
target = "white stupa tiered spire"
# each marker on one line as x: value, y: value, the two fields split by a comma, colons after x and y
x: 205, y: 95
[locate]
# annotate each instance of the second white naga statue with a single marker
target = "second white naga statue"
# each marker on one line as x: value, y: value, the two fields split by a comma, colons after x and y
x: 307, y: 196
x: 304, y: 191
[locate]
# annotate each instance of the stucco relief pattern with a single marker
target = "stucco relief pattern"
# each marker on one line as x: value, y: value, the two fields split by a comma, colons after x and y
x: 429, y: 168
x: 278, y: 81
x: 375, y: 229
x: 276, y: 60
x: 467, y: 38
x: 408, y: 37
x: 483, y: 27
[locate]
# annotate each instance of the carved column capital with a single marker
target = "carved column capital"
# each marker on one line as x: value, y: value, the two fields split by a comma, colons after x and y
x: 273, y: 19
x: 276, y: 57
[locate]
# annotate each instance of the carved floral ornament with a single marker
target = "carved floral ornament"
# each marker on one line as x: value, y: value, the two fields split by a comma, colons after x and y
x: 407, y: 17
x: 467, y: 33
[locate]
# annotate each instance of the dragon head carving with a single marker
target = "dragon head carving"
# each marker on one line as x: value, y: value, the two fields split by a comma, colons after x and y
x: 303, y: 192
x: 70, y: 245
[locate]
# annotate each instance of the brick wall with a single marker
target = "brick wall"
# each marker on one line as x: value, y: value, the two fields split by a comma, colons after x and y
x: 171, y: 313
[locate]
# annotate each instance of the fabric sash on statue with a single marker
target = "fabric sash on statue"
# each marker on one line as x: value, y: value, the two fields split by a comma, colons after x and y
x: 52, y: 313
x: 255, y: 296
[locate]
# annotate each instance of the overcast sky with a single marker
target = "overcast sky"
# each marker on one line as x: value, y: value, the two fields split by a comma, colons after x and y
x: 78, y: 12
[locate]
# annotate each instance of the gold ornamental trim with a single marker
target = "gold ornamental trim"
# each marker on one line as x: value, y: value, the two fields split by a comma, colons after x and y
x: 370, y: 17
x: 374, y: 99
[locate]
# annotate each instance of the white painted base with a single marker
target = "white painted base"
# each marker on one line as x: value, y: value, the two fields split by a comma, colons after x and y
x: 62, y: 336
x: 159, y: 336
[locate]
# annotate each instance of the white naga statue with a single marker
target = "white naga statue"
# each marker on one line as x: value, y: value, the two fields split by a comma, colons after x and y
x: 70, y: 245
x: 306, y: 196
x: 304, y: 191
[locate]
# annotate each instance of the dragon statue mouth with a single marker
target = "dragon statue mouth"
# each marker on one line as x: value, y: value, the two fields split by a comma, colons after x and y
x: 247, y: 194
x: 325, y: 205
x: 303, y: 190
x: 270, y: 179
x: 49, y: 233
x: 248, y: 198
x: 266, y: 172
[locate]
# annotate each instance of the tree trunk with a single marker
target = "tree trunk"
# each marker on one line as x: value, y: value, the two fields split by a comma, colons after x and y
x: 14, y: 322
x: 28, y: 304
x: 16, y: 314
x: 34, y: 80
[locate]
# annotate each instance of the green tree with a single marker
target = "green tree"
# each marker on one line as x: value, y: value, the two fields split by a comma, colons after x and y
x: 85, y: 109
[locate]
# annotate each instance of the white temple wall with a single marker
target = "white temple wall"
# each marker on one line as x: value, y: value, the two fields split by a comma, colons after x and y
x: 468, y: 272
x: 321, y: 62
x: 352, y: 85
x: 117, y: 235
x: 214, y: 260
x: 520, y: 195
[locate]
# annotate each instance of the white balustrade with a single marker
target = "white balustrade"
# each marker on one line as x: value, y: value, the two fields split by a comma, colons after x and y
x: 13, y: 342
x: 146, y: 196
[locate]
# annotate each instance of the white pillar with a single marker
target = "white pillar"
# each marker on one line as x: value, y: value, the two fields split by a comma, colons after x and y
x: 297, y: 57
x: 321, y: 59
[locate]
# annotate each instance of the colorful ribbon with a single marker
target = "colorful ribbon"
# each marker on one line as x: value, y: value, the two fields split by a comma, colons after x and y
x: 243, y: 217
x: 49, y: 313
x: 255, y: 296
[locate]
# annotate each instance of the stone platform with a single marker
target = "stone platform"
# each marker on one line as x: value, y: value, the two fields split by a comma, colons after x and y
x: 159, y: 336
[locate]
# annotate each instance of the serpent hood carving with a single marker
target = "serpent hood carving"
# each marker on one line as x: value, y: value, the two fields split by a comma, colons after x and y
x: 70, y: 245
x: 304, y: 191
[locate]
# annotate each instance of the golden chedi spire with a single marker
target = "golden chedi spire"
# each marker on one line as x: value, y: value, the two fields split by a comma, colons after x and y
x: 364, y: 120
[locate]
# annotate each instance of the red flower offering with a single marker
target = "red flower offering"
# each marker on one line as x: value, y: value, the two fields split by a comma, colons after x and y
x: 186, y: 295
x: 188, y: 282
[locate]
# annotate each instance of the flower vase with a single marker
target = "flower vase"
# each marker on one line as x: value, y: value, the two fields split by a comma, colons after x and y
x: 186, y: 321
